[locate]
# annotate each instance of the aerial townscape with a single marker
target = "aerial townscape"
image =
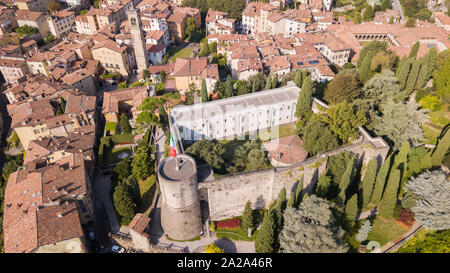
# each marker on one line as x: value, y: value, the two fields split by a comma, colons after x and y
x: 225, y: 126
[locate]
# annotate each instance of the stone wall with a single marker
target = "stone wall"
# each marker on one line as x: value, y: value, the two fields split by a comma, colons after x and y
x: 227, y: 195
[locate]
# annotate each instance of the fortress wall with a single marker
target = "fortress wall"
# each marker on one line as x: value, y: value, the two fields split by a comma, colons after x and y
x: 228, y: 195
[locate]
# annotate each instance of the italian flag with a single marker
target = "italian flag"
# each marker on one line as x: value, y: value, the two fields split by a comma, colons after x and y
x: 172, y: 150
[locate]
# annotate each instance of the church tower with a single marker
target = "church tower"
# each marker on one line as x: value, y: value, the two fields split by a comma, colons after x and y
x: 140, y: 50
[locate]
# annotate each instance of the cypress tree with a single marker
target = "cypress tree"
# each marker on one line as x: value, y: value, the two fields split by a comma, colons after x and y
x: 381, y: 180
x: 125, y: 123
x: 247, y: 216
x: 345, y: 182
x: 403, y: 71
x: 422, y: 77
x: 351, y: 209
x: 299, y: 192
x: 389, y: 199
x: 265, y: 241
x: 268, y: 83
x: 369, y: 181
x: 298, y: 79
x: 323, y: 185
x: 229, y: 87
x: 414, y: 50
x: 204, y: 92
x: 254, y: 87
x: 304, y: 101
x: 413, y: 74
x: 275, y: 81
x: 441, y: 149
x: 364, y: 70
x: 305, y: 196
x: 431, y: 57
x: 291, y: 201
x: 401, y: 159
x: 123, y: 202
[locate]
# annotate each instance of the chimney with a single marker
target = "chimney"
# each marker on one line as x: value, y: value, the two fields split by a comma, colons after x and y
x: 59, y: 215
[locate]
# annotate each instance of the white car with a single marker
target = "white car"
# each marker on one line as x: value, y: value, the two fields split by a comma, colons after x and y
x: 118, y: 249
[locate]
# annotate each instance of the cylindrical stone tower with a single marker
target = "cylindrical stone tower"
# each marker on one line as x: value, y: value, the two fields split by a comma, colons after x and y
x: 180, y: 212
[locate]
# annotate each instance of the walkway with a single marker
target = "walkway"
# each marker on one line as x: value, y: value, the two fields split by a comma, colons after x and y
x: 102, y: 186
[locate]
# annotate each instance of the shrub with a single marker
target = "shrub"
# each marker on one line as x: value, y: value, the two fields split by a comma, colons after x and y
x: 111, y: 126
x: 231, y: 223
x: 212, y: 226
x: 123, y: 139
x: 212, y: 248
x: 431, y: 102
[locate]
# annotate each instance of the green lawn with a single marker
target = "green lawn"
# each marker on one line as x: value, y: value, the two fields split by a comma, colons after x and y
x: 112, y: 156
x: 147, y: 189
x: 438, y: 120
x: 180, y: 52
x: 385, y: 230
x: 277, y: 132
x: 235, y: 234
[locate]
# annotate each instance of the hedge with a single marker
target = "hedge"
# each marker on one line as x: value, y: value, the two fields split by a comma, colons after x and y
x: 123, y: 138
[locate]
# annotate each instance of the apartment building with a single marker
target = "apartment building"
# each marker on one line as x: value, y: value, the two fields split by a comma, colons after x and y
x: 60, y: 23
x: 236, y: 116
x: 218, y: 22
x: 334, y: 49
x: 13, y: 70
x: 8, y: 20
x: 32, y: 5
x: 33, y: 19
x: 52, y: 200
x: 254, y: 17
x: 114, y: 57
x: 189, y: 71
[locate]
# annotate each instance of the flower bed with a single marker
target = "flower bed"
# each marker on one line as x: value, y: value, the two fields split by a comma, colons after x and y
x: 231, y: 223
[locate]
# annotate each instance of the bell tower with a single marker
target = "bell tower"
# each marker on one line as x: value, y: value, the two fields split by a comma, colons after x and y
x: 137, y: 35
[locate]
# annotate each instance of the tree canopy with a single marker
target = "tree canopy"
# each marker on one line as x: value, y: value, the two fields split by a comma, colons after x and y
x: 311, y: 228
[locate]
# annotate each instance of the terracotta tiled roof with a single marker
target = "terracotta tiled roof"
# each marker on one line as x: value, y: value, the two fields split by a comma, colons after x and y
x: 139, y: 224
x: 189, y: 66
x: 111, y: 99
x: 28, y: 224
x: 31, y: 113
x: 25, y: 15
x: 249, y: 64
x: 287, y: 150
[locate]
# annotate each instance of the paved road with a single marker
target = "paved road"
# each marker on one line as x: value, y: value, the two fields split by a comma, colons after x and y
x: 102, y: 185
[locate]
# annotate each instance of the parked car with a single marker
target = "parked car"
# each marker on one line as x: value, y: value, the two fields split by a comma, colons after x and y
x: 91, y: 235
x: 117, y: 249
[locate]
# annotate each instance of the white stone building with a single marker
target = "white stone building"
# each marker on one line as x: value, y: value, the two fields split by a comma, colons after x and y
x: 60, y: 23
x: 236, y: 116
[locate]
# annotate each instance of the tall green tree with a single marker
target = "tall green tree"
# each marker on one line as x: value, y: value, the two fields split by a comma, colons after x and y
x: 275, y: 81
x: 265, y: 240
x: 432, y: 193
x: 389, y: 199
x: 318, y: 138
x: 311, y: 228
x: 323, y: 185
x: 413, y: 75
x: 299, y: 191
x: 414, y: 50
x: 351, y: 209
x: 298, y: 78
x: 204, y: 92
x: 304, y: 101
x: 142, y: 165
x: 247, y: 216
x: 368, y: 181
x: 268, y: 83
x: 364, y: 69
x: 401, y: 122
x: 125, y: 123
x: 123, y: 202
x: 345, y: 182
x: 441, y: 149
x: 402, y: 73
x: 344, y: 87
x: 229, y: 90
x: 291, y: 201
x: 344, y: 120
x: 381, y: 180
